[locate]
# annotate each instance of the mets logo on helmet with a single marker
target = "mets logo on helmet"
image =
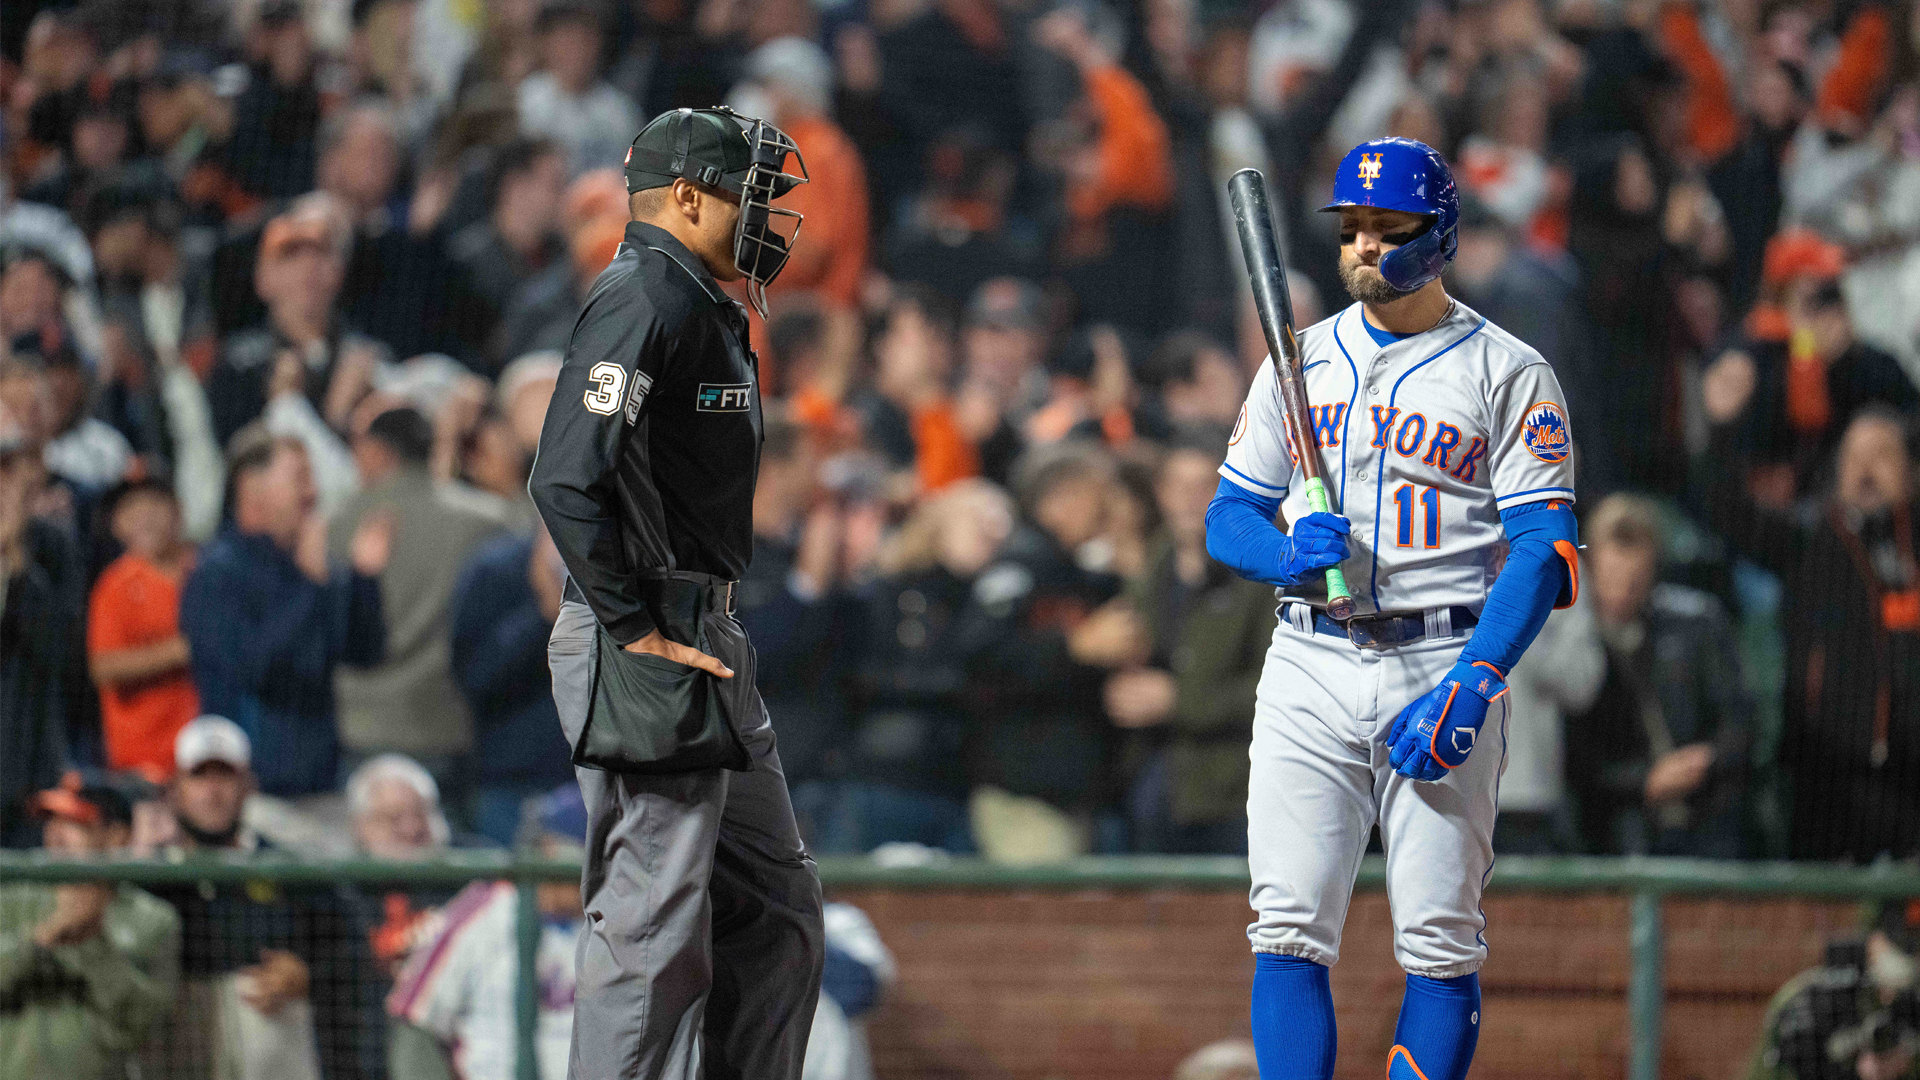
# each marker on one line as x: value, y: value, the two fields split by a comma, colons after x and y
x: 1545, y: 432
x: 1369, y: 169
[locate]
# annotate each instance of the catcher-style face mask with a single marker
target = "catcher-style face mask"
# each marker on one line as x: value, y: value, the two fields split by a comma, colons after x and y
x: 765, y: 235
x: 745, y: 156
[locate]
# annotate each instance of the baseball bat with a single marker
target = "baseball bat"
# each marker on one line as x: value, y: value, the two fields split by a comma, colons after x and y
x: 1247, y: 190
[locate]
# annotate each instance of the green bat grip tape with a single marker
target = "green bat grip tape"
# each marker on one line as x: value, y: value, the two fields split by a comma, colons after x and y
x: 1317, y: 498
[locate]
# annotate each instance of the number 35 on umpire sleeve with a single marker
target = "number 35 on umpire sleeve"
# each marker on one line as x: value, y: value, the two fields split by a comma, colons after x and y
x: 608, y: 379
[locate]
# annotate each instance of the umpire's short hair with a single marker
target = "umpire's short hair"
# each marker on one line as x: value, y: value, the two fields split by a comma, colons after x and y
x: 405, y: 432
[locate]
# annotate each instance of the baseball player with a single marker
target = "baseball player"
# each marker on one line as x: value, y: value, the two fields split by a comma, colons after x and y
x: 1448, y: 462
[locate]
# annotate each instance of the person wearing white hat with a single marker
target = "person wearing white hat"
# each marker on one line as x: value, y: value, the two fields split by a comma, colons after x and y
x: 213, y: 762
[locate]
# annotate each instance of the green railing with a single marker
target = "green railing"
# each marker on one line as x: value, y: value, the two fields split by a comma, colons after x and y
x: 1647, y: 880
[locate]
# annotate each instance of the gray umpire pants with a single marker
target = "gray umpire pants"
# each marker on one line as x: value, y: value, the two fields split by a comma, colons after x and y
x: 703, y: 947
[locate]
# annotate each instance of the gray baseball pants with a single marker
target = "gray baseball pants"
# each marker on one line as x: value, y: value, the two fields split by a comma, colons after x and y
x: 702, y: 954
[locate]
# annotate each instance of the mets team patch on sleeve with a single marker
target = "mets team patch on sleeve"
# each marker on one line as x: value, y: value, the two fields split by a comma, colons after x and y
x: 1545, y: 433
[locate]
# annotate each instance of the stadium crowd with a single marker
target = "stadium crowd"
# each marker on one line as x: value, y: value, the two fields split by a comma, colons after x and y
x: 284, y: 287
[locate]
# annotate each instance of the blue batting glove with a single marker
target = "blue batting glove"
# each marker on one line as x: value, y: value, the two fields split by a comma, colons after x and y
x: 1316, y: 542
x: 1434, y: 735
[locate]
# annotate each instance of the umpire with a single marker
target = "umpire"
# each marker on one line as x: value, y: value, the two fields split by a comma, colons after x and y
x: 704, y: 945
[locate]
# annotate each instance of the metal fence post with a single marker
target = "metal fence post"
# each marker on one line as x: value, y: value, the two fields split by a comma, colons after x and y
x: 1646, y: 987
x: 526, y: 1000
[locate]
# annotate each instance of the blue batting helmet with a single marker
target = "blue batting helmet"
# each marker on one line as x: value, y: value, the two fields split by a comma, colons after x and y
x: 1404, y: 174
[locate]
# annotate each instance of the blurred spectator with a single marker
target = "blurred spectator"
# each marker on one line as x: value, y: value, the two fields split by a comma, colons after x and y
x: 395, y: 809
x: 399, y: 283
x: 1856, y: 1017
x: 1503, y: 161
x: 302, y: 263
x: 1851, y: 175
x: 503, y: 609
x: 959, y: 230
x: 1188, y: 380
x: 792, y: 78
x: 267, y: 618
x: 1040, y: 634
x: 460, y: 987
x: 33, y: 287
x: 517, y: 240
x: 87, y: 967
x: 906, y: 774
x: 540, y: 315
x: 950, y: 64
x: 156, y: 320
x: 1191, y: 704
x: 1003, y: 345
x: 1089, y: 390
x: 99, y: 137
x: 858, y: 971
x: 42, y: 660
x: 793, y: 602
x: 136, y: 653
x: 1809, y: 372
x: 1659, y: 762
x: 26, y: 226
x: 1747, y: 182
x: 268, y: 977
x: 1616, y: 241
x: 1848, y: 571
x: 909, y: 413
x: 567, y: 100
x: 1112, y: 152
x: 1560, y: 674
x: 180, y: 117
x: 158, y: 336
x: 409, y: 701
x: 501, y: 456
x: 277, y: 115
x: 84, y: 451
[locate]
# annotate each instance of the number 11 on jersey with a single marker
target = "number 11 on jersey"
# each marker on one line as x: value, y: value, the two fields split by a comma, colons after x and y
x: 1429, y: 499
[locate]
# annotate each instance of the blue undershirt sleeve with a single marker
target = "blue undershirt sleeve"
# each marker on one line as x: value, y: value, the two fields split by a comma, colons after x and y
x: 1542, y: 573
x: 1242, y: 537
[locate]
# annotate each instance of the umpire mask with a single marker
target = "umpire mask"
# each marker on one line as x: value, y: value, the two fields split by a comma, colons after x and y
x: 723, y: 149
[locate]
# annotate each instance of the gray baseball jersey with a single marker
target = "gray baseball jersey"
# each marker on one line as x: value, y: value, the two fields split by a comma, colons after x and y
x: 1423, y: 442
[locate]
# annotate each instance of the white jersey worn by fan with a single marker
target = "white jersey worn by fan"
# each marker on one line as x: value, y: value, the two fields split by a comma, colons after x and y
x: 1423, y: 442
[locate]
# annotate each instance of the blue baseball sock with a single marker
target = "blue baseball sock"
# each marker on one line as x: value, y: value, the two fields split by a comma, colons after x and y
x: 1439, y: 1025
x: 1293, y: 1029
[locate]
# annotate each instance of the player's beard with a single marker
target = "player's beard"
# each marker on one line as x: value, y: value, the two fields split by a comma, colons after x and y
x: 1365, y: 284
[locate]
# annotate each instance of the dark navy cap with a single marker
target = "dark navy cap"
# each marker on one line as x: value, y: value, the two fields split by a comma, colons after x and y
x: 710, y: 148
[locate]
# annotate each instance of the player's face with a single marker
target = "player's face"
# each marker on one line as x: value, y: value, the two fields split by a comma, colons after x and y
x: 1367, y: 233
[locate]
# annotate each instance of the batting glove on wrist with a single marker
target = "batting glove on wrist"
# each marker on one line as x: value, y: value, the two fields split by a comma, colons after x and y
x: 1316, y: 542
x: 1434, y: 735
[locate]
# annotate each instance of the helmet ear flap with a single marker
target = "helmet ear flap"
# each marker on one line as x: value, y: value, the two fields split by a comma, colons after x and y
x: 1421, y: 259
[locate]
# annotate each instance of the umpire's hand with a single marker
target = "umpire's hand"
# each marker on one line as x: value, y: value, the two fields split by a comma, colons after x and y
x: 680, y: 654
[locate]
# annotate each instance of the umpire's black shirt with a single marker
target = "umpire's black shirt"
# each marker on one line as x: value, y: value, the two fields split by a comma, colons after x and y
x: 652, y: 440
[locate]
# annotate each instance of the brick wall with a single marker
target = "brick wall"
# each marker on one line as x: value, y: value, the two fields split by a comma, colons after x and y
x: 1121, y: 985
